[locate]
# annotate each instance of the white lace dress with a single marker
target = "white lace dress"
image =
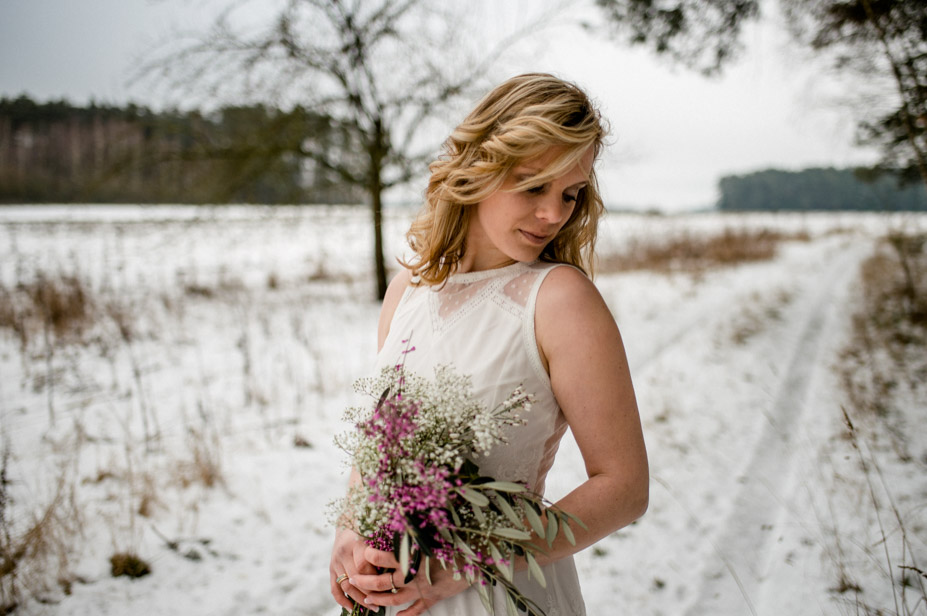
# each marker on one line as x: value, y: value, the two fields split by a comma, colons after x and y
x: 483, y: 324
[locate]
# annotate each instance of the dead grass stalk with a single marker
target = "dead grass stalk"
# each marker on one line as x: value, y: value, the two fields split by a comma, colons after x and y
x: 693, y: 253
x: 884, y: 361
x: 34, y: 553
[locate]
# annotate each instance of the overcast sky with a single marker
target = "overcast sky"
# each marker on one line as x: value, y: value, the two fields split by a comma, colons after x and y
x: 674, y: 133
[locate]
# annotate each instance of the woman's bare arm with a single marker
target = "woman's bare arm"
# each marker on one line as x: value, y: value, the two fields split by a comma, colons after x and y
x: 582, y: 348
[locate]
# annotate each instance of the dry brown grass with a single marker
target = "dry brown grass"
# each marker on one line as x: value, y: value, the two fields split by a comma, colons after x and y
x: 62, y: 302
x: 34, y: 552
x: 10, y: 318
x: 691, y: 253
x: 128, y: 564
x: 122, y: 318
x: 888, y: 349
x: 58, y: 307
x: 884, y: 361
x: 755, y: 316
x: 204, y: 466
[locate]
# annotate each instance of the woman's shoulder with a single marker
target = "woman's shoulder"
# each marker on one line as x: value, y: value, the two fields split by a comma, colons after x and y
x: 570, y: 315
x: 568, y: 295
x: 564, y: 282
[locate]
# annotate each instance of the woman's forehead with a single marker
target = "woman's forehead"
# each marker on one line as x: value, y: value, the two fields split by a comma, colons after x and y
x: 547, y: 162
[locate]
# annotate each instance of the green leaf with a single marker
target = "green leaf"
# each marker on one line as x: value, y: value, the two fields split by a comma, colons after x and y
x: 428, y: 570
x: 484, y: 597
x: 504, y: 486
x: 383, y: 397
x: 510, y: 608
x: 507, y: 571
x: 535, y: 520
x: 479, y: 515
x: 573, y: 518
x: 511, y: 533
x: 463, y: 547
x: 568, y: 532
x: 551, y: 528
x: 469, y: 469
x: 404, y: 554
x: 455, y: 517
x: 495, y: 553
x: 474, y: 497
x: 535, y: 569
x: 508, y: 511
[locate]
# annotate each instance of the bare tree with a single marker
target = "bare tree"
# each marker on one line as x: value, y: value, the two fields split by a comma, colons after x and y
x: 379, y: 69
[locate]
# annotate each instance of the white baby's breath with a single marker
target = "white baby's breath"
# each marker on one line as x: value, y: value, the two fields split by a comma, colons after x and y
x: 417, y: 451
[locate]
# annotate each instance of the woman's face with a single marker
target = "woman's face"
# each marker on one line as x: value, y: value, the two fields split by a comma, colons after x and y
x: 511, y: 226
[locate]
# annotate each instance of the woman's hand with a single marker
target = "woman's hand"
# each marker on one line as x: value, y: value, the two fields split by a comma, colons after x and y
x: 378, y: 587
x: 348, y: 561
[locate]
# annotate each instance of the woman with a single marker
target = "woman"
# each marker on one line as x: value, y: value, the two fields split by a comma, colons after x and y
x: 512, y: 200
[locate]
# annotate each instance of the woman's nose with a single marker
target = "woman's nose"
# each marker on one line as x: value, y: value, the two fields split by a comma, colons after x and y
x: 550, y: 210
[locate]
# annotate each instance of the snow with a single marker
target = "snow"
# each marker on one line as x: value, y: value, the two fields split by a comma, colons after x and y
x: 248, y: 325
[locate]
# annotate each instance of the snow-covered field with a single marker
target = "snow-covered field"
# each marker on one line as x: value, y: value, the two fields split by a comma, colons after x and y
x: 223, y: 346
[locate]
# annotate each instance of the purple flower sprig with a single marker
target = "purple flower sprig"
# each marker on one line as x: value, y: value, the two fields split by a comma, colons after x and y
x: 422, y: 496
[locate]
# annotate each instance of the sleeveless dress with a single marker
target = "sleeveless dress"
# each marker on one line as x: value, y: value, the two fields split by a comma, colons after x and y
x: 482, y: 323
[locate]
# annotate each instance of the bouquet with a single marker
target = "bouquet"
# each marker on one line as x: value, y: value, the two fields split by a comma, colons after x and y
x: 421, y: 495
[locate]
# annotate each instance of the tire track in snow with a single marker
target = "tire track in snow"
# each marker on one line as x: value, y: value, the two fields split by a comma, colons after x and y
x: 732, y: 581
x: 712, y: 310
x: 715, y: 307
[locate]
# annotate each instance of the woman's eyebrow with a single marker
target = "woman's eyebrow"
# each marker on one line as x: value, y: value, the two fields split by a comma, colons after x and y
x: 521, y: 175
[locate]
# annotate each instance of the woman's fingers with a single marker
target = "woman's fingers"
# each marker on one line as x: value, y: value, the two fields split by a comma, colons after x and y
x: 339, y: 592
x: 354, y: 594
x: 418, y: 596
x: 361, y: 562
x: 342, y: 599
x: 404, y: 595
x: 347, y: 561
x: 380, y: 558
x: 381, y: 582
x: 348, y: 594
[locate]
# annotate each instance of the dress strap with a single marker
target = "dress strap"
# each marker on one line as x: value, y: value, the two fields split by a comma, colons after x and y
x: 528, y: 326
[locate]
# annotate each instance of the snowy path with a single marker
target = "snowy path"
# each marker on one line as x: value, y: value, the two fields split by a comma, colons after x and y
x: 733, y: 579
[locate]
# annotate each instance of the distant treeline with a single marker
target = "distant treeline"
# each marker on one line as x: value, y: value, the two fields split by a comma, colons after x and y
x: 58, y: 152
x: 820, y: 189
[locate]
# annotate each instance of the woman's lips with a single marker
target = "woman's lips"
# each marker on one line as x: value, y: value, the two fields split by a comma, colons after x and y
x: 534, y: 238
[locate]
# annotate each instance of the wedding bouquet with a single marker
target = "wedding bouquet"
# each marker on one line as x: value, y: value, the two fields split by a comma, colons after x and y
x: 421, y: 495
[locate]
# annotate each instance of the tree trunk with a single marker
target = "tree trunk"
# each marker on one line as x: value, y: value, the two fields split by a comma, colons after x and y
x: 377, y: 151
x: 379, y: 262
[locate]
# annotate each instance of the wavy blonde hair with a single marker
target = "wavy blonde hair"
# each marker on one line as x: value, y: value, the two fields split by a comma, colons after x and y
x: 520, y: 119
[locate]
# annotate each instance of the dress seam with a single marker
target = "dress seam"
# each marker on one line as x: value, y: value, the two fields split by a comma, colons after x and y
x: 529, y: 334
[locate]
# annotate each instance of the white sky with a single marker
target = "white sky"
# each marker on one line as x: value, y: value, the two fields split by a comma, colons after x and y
x: 674, y: 132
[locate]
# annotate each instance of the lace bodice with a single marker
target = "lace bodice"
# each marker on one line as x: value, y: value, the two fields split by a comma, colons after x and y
x: 482, y: 323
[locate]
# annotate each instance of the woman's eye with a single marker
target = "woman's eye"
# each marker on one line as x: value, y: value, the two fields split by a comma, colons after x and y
x: 569, y: 198
x: 537, y: 190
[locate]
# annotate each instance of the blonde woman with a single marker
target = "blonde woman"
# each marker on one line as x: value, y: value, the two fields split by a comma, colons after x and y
x: 498, y: 287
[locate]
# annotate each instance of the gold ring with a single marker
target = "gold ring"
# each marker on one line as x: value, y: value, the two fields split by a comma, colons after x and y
x: 392, y: 585
x: 340, y: 579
